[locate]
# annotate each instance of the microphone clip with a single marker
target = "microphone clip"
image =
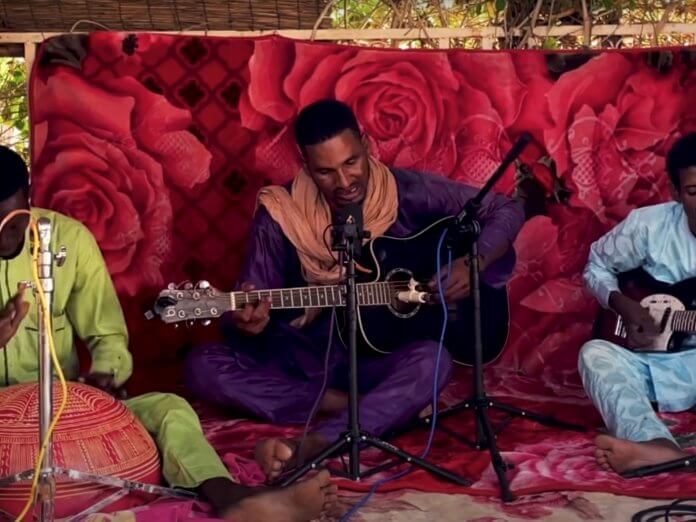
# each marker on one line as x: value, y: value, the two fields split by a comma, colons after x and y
x: 348, y: 229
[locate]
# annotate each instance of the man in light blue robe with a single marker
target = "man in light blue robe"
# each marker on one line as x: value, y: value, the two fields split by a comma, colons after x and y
x: 623, y: 384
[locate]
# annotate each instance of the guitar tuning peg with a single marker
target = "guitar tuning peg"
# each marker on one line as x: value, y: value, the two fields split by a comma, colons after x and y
x: 203, y: 285
x: 188, y: 286
x: 206, y: 322
x: 171, y: 286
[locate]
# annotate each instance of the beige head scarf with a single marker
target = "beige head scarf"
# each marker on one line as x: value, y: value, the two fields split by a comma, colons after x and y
x: 304, y: 216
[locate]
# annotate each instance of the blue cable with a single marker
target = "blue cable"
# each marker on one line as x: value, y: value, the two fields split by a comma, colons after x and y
x: 360, y: 504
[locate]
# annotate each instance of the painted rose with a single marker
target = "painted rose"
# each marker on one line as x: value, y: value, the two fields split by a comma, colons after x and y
x: 611, y: 134
x: 405, y: 102
x: 116, y: 54
x: 552, y: 313
x: 500, y: 96
x: 105, y: 155
x: 554, y: 464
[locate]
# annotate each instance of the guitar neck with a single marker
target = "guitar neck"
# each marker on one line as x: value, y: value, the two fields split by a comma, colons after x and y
x: 684, y: 321
x: 312, y: 296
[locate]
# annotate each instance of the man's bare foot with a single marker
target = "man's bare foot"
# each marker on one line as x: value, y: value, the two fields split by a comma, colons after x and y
x: 300, y: 502
x: 623, y: 455
x: 277, y: 455
x: 333, y: 401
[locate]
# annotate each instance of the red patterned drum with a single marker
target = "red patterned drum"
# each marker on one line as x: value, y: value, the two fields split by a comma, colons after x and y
x: 95, y: 434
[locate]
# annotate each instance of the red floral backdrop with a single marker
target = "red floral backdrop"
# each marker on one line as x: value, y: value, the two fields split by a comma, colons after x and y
x: 160, y: 143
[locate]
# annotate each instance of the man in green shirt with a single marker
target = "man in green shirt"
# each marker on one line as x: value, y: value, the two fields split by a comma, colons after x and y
x: 86, y: 306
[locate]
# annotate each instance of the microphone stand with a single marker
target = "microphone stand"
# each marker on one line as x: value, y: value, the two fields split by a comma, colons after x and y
x: 47, y: 485
x: 348, y: 240
x: 466, y: 229
x: 49, y: 472
x: 681, y: 464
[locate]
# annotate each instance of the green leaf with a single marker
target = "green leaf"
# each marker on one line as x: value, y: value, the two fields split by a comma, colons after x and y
x: 13, y: 104
x: 550, y: 43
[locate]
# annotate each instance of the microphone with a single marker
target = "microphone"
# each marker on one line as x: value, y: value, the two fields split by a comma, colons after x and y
x: 45, y: 254
x: 351, y: 215
x: 413, y: 296
x: 348, y: 226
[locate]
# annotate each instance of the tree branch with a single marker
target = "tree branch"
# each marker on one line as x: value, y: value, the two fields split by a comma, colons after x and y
x: 532, y: 23
x: 586, y: 25
x: 327, y: 8
x: 664, y: 19
x: 368, y: 18
x: 441, y: 13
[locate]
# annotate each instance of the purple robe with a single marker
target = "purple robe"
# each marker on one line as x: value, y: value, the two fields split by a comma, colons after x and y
x: 278, y: 374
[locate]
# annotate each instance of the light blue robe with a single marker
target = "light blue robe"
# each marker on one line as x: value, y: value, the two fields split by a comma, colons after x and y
x: 622, y: 384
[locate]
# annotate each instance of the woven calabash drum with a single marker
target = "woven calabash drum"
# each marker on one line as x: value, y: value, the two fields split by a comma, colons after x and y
x: 95, y: 434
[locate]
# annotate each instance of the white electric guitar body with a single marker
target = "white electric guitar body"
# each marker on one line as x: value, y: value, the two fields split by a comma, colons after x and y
x: 672, y: 308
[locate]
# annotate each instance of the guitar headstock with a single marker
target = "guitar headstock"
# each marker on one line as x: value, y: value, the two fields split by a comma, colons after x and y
x: 189, y: 302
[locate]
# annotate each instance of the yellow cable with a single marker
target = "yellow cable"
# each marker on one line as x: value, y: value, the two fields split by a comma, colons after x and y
x: 54, y: 356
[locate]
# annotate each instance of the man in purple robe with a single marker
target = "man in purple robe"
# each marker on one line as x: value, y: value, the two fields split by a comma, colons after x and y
x: 273, y: 363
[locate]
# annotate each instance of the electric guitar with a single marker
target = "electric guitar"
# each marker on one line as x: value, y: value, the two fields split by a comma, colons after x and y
x: 672, y: 306
x: 393, y: 309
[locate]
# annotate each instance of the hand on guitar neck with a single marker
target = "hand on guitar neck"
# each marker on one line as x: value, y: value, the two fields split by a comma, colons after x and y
x: 254, y: 317
x: 641, y: 326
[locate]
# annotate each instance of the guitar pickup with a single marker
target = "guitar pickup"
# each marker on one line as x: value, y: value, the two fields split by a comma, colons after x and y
x: 665, y: 318
x: 620, y: 327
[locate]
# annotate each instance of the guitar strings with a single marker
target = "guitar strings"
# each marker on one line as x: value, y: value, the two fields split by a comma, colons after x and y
x: 277, y: 300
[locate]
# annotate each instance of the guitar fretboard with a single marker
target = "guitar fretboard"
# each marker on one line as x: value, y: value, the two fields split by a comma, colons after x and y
x: 684, y: 321
x: 314, y: 296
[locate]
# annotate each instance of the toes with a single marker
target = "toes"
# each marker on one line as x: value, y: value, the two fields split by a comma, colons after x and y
x: 604, y: 442
x: 600, y: 452
x: 266, y: 468
x: 330, y: 489
x: 324, y: 478
x: 283, y: 451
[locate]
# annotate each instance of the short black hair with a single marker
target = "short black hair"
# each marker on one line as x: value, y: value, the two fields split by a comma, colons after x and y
x: 681, y: 156
x: 13, y: 173
x: 323, y: 120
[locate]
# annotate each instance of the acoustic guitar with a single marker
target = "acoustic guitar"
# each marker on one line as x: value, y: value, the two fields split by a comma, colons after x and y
x: 393, y: 307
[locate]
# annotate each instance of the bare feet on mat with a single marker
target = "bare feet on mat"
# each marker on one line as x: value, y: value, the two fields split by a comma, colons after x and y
x: 623, y: 455
x: 308, y: 500
x: 278, y: 455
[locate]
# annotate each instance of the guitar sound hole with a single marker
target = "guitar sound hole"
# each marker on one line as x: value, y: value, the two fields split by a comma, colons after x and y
x: 399, y: 280
x: 401, y: 308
